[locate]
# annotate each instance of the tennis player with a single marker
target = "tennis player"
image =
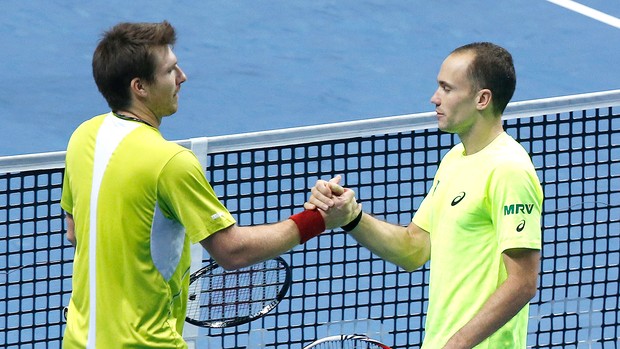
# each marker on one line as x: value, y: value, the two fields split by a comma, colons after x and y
x: 479, y: 225
x: 134, y: 202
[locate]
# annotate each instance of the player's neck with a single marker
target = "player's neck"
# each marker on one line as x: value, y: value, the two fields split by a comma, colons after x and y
x: 144, y: 117
x: 479, y: 137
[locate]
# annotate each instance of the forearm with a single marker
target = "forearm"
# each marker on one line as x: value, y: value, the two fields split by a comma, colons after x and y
x: 236, y: 247
x: 394, y: 243
x: 522, y: 266
x: 407, y: 247
x: 502, y: 306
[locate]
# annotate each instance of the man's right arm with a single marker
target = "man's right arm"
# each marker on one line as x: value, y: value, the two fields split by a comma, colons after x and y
x: 235, y: 247
x: 407, y: 247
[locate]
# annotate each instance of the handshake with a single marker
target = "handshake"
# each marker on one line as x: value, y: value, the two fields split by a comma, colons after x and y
x: 336, y: 204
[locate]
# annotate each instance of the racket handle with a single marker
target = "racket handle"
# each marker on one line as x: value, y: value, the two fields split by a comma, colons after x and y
x: 310, y: 223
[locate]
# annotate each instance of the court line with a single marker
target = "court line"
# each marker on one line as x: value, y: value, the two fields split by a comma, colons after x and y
x: 588, y: 11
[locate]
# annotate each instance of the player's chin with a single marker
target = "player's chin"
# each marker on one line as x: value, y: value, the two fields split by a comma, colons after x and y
x: 173, y: 109
x: 169, y: 113
x: 444, y: 126
x: 174, y: 103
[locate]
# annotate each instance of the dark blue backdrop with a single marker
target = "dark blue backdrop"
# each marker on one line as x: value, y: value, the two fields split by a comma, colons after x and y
x: 259, y: 65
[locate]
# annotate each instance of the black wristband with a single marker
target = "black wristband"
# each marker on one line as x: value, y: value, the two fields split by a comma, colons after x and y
x: 352, y: 224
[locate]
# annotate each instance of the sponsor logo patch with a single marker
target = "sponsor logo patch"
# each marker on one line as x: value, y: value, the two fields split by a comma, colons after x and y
x: 518, y: 209
x: 217, y: 215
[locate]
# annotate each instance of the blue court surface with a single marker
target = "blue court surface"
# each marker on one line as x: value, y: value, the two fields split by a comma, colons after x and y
x: 262, y: 65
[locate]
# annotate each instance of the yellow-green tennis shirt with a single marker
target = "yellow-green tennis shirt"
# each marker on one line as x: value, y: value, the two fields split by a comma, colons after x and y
x: 479, y: 206
x: 137, y: 201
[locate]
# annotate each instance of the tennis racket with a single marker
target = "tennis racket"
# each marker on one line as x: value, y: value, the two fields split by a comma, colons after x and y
x: 220, y: 298
x: 347, y: 341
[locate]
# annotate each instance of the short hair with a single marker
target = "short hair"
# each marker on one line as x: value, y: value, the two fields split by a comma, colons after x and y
x: 492, y: 68
x: 125, y: 52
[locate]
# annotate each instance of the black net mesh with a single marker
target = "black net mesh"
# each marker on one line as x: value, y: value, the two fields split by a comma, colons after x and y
x: 337, y: 283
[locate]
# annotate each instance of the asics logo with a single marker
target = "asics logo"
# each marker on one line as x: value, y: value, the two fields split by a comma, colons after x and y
x: 458, y: 199
x: 521, y: 226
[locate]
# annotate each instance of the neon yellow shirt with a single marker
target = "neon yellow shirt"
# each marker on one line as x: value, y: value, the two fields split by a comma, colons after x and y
x: 479, y: 206
x: 137, y: 201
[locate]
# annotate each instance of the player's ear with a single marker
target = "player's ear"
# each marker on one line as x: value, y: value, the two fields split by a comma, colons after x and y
x: 137, y: 87
x: 484, y: 98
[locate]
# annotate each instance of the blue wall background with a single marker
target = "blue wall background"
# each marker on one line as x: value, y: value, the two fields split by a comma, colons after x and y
x: 261, y: 65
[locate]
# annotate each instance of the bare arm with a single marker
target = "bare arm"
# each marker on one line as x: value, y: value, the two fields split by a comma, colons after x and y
x: 522, y: 266
x: 236, y: 247
x: 70, y: 228
x: 407, y: 247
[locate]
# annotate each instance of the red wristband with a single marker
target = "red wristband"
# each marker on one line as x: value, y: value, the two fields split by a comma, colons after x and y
x: 310, y: 223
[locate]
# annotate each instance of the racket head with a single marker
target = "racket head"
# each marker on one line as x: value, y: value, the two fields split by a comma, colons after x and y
x: 219, y: 298
x: 347, y: 341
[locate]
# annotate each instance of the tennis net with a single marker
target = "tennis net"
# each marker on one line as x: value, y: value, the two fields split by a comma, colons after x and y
x: 264, y: 177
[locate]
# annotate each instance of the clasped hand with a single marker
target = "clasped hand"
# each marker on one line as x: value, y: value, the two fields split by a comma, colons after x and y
x: 336, y: 203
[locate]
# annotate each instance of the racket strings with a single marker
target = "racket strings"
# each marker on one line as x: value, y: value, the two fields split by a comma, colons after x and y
x: 221, y: 295
x: 350, y: 341
x: 349, y: 344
